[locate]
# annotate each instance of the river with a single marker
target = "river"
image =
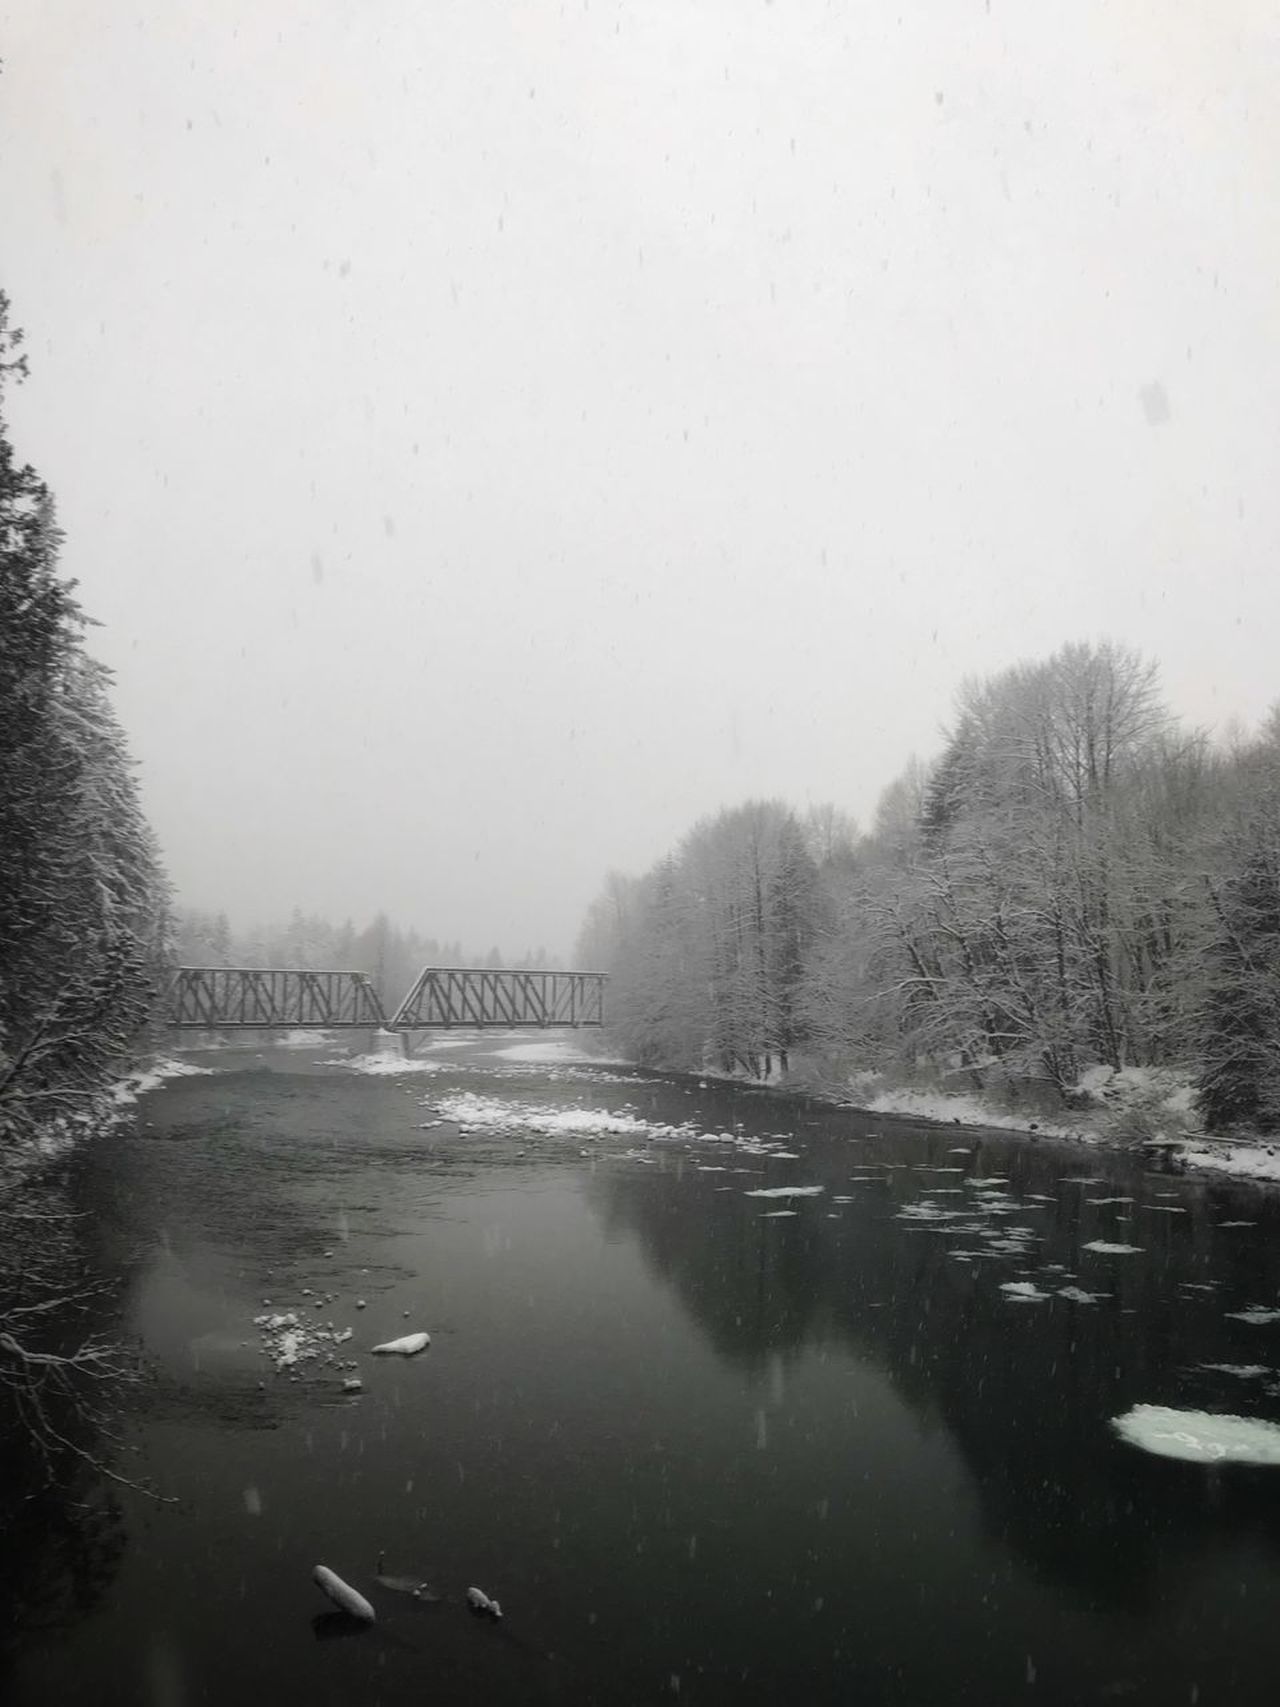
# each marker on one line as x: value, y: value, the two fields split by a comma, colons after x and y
x: 703, y: 1446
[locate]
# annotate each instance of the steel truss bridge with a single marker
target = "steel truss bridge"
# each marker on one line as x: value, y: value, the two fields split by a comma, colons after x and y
x: 244, y: 998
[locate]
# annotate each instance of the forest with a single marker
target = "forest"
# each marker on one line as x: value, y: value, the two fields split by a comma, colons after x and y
x: 83, y: 897
x: 1074, y: 885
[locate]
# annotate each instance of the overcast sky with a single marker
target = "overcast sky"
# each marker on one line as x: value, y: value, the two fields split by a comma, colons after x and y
x: 494, y: 435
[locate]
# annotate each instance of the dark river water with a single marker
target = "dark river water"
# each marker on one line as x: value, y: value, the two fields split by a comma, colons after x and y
x: 699, y: 1449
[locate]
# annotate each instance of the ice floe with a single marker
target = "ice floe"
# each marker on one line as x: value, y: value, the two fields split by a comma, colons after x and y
x: 1200, y: 1437
x: 289, y: 1340
x: 786, y: 1191
x: 1109, y: 1248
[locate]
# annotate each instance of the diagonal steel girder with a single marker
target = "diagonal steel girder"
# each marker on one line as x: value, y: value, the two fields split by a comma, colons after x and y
x: 478, y: 997
x: 227, y: 998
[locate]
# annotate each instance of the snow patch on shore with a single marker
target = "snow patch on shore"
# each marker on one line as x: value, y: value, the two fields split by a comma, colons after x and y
x: 955, y: 1109
x: 127, y: 1090
x: 1259, y: 1161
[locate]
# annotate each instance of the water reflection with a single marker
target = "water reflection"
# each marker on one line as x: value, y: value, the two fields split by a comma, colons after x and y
x: 1024, y: 1389
x: 63, y: 1530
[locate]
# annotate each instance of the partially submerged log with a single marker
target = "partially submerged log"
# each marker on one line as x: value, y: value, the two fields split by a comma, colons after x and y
x: 406, y: 1347
x: 343, y: 1595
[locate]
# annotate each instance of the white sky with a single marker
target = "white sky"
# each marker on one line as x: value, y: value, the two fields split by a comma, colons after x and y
x: 494, y: 435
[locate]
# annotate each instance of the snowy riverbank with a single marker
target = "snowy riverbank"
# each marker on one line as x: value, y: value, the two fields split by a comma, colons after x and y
x: 1133, y: 1107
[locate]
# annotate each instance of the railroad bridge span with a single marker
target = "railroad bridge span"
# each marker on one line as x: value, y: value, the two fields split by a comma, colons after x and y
x: 231, y: 998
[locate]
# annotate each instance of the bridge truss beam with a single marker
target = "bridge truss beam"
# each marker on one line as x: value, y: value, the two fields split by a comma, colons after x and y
x: 230, y: 998
x: 480, y: 997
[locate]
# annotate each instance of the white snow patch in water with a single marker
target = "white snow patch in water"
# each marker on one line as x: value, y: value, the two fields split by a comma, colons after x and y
x: 388, y: 1066
x: 1242, y: 1371
x: 786, y: 1191
x: 1255, y: 1315
x: 491, y: 1114
x: 1106, y: 1248
x: 558, y: 1050
x: 1078, y: 1295
x: 778, y: 1214
x: 1200, y: 1437
x: 1025, y: 1291
x: 301, y: 1039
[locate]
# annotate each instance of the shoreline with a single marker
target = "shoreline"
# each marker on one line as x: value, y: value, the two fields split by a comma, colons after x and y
x: 1199, y: 1154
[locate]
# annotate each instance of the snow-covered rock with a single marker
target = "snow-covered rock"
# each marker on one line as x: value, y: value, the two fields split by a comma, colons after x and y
x: 343, y: 1595
x: 407, y: 1346
x: 481, y: 1604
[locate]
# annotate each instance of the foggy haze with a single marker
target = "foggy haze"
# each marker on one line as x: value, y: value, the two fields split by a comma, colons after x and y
x: 492, y: 438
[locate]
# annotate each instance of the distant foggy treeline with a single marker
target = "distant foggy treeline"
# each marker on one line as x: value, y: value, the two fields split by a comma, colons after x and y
x: 1073, y: 880
x: 82, y: 895
x: 391, y: 955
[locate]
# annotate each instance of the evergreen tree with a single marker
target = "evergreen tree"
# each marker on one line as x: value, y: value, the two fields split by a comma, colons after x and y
x: 82, y: 897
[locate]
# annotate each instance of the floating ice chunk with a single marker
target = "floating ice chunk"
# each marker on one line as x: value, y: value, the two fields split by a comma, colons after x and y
x: 482, y: 1605
x: 778, y: 1215
x: 1102, y: 1200
x: 1237, y: 1223
x: 1242, y: 1371
x: 1199, y: 1437
x: 408, y: 1346
x: 1078, y: 1295
x: 786, y: 1191
x: 1106, y: 1248
x: 1255, y: 1315
x: 1023, y: 1291
x: 343, y: 1595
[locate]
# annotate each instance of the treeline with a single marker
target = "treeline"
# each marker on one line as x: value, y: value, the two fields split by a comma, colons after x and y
x: 82, y: 893
x: 391, y: 955
x: 1074, y: 882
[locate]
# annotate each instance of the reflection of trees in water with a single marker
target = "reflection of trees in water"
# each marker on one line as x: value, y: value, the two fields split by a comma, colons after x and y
x: 1024, y: 1390
x: 62, y: 1550
x: 60, y: 1379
